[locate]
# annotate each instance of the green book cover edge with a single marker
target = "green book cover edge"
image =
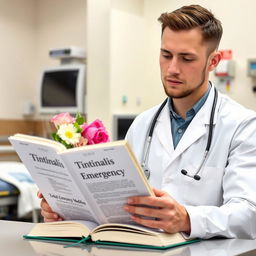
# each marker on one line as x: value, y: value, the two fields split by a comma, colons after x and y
x: 88, y: 240
x: 147, y: 246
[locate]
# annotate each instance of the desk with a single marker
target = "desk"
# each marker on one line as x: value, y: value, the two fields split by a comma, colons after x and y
x: 6, y: 149
x: 12, y: 244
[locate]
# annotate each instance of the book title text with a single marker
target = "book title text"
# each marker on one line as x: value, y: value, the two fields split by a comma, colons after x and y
x: 46, y: 160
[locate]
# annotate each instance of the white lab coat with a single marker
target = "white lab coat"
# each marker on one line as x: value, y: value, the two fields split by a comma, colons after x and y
x: 223, y: 201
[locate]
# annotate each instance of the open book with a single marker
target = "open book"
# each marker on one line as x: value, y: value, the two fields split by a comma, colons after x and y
x: 106, y: 234
x: 85, y: 183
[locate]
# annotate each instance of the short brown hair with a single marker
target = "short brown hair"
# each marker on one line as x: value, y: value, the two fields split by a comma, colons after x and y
x: 193, y: 16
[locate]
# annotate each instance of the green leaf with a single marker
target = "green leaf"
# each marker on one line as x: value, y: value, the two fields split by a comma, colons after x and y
x: 79, y: 119
x: 78, y: 128
x: 66, y: 144
x: 55, y: 136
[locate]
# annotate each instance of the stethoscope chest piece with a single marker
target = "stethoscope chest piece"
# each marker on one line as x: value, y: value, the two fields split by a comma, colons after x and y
x: 147, y: 173
x: 146, y: 170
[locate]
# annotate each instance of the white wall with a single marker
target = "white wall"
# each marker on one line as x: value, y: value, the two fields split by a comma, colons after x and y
x: 59, y: 23
x: 17, y: 53
x: 98, y: 90
x: 29, y: 28
x: 127, y: 41
x: 115, y: 58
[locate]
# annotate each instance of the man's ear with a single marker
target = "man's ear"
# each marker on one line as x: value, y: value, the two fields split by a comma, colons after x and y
x: 215, y: 58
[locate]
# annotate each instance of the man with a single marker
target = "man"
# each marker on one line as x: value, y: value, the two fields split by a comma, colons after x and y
x: 216, y: 195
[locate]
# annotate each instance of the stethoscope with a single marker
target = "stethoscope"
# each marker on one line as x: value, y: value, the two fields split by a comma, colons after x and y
x: 147, y: 145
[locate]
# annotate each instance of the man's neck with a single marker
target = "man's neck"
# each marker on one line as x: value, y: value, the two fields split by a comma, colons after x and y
x: 182, y: 105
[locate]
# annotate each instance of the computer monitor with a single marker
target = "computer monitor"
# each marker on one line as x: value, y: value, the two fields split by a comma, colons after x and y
x: 121, y: 124
x: 62, y: 89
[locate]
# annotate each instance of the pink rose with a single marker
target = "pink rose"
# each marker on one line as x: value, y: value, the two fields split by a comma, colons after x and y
x: 95, y: 132
x: 63, y: 118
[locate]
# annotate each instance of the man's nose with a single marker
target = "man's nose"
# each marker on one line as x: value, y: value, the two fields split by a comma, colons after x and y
x: 173, y: 67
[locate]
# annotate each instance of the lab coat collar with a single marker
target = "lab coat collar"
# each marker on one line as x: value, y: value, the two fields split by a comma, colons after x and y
x: 163, y: 130
x: 197, y: 128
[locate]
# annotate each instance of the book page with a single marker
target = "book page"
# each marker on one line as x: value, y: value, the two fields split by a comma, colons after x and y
x: 68, y: 229
x: 107, y: 175
x: 53, y: 179
x: 133, y: 237
x: 133, y: 228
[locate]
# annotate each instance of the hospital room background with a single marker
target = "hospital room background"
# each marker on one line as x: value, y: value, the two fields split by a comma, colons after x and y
x: 120, y: 41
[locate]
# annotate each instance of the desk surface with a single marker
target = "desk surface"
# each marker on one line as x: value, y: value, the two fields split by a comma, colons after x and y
x: 12, y: 243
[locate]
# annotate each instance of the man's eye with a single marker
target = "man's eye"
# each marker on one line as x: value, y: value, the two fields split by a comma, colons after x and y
x: 166, y: 56
x: 188, y: 59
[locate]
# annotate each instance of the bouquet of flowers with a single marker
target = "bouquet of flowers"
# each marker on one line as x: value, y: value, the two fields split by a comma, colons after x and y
x: 75, y: 132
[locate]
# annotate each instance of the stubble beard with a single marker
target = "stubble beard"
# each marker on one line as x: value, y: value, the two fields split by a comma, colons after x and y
x: 188, y: 92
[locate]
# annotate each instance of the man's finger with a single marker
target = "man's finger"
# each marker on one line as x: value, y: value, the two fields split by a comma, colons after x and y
x: 40, y: 195
x: 149, y: 223
x: 150, y: 201
x: 158, y: 192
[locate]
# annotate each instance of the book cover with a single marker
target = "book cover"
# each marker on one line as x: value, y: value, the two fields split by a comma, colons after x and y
x: 123, y: 235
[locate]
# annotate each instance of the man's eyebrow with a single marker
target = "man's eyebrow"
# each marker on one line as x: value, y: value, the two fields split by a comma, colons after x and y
x: 181, y: 53
x: 164, y: 50
x: 187, y: 54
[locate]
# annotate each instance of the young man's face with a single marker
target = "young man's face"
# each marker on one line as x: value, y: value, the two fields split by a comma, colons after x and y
x: 184, y: 63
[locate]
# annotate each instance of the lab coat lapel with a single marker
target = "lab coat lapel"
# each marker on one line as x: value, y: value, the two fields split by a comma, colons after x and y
x: 163, y: 131
x: 197, y: 128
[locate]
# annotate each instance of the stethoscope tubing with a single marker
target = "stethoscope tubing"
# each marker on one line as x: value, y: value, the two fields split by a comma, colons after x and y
x: 150, y: 134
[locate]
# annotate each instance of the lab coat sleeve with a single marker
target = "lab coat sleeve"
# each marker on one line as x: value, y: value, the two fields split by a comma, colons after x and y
x: 236, y: 218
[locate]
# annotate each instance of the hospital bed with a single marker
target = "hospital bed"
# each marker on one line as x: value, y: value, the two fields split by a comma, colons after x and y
x: 16, y: 190
x: 10, y: 194
x: 8, y: 200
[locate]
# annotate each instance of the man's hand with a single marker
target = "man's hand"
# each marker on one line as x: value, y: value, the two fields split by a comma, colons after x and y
x: 169, y: 215
x: 46, y: 210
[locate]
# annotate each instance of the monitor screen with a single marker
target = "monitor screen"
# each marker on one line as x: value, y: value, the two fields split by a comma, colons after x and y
x: 121, y: 124
x: 62, y: 89
x: 59, y: 88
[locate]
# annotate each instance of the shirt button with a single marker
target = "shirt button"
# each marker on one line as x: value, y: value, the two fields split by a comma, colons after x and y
x: 180, y: 131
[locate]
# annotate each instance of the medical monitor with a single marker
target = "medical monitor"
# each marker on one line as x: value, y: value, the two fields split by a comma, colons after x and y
x: 62, y: 89
x: 121, y: 124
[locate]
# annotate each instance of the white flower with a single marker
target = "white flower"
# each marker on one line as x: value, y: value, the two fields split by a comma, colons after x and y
x: 69, y: 134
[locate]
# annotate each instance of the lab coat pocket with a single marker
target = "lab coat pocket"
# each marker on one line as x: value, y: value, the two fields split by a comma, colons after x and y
x: 208, y: 190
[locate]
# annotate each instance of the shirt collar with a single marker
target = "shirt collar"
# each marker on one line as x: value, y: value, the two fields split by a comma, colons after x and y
x: 194, y: 109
